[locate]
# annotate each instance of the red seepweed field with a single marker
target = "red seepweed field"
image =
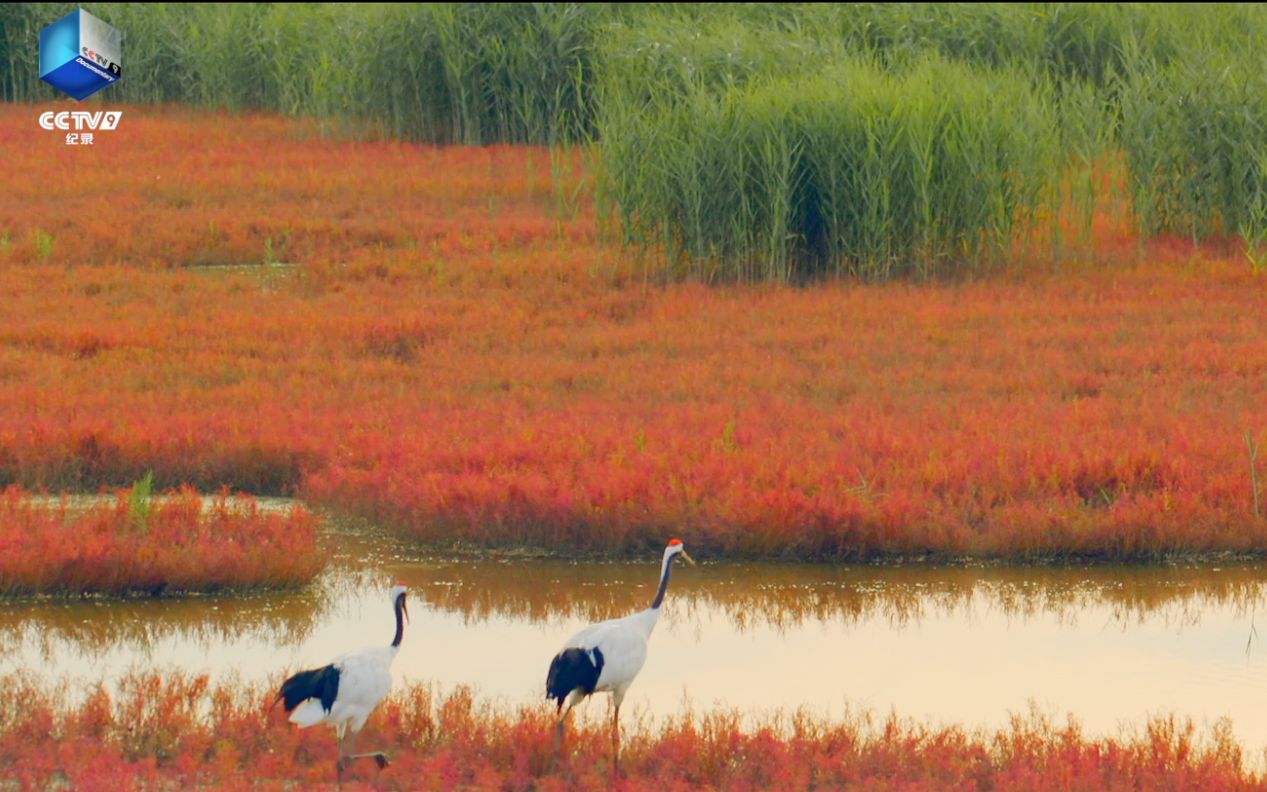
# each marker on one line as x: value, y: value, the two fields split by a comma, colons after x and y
x: 174, y: 545
x: 155, y: 734
x: 445, y: 340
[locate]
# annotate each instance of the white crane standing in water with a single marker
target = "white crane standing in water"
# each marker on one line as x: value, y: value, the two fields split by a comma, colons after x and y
x: 607, y: 657
x: 344, y: 693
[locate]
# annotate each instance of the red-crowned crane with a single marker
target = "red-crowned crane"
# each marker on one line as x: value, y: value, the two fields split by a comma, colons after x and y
x: 344, y: 693
x: 607, y: 657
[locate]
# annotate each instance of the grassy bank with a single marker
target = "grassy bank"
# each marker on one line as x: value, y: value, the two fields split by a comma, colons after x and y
x: 177, y: 543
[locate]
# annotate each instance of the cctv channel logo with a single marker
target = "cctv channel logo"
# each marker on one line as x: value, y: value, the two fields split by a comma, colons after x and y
x: 80, y: 121
x: 80, y: 54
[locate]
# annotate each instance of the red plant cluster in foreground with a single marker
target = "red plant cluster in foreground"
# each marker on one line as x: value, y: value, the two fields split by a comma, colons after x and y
x: 458, y: 352
x: 175, y: 545
x: 181, y: 732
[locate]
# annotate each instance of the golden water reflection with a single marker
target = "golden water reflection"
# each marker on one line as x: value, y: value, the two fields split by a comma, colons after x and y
x: 787, y: 595
x: 745, y: 595
x: 51, y: 624
x: 969, y: 645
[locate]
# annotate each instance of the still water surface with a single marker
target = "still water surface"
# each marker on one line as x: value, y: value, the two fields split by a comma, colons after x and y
x: 1109, y: 645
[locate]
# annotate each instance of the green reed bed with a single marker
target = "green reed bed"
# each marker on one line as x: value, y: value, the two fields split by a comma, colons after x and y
x: 1093, y: 42
x: 855, y: 170
x: 1060, y: 40
x: 507, y: 72
x: 1195, y: 136
x: 444, y: 72
x: 882, y: 140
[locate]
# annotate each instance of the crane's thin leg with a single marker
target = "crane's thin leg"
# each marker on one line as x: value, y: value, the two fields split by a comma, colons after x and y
x: 558, y: 729
x: 616, y: 741
x: 618, y: 696
x: 379, y: 757
x: 338, y: 762
x: 347, y: 752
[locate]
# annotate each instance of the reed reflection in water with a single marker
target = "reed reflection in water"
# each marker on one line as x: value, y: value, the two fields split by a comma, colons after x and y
x: 962, y: 645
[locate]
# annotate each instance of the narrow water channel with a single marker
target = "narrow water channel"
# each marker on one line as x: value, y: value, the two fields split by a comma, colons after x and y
x: 1109, y: 645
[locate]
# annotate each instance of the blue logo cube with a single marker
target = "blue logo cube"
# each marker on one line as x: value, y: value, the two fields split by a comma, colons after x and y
x: 80, y: 54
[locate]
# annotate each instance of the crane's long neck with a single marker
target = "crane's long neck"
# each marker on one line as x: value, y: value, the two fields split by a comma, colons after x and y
x: 400, y: 621
x: 665, y: 568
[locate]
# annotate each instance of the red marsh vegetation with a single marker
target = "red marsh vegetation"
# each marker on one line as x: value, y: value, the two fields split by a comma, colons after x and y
x: 178, y: 543
x: 445, y: 340
x: 175, y: 731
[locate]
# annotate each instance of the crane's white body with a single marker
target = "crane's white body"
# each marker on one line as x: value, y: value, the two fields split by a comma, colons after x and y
x: 365, y: 679
x: 623, y: 643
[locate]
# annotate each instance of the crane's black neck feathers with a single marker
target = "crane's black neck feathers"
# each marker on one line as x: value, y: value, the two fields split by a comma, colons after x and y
x: 664, y: 584
x: 319, y: 683
x: 573, y: 669
x: 400, y: 620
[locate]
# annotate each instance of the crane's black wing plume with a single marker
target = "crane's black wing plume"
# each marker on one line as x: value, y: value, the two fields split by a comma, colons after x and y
x: 319, y: 683
x: 572, y: 669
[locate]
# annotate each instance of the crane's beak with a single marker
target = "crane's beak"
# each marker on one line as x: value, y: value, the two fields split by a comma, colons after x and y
x: 689, y: 560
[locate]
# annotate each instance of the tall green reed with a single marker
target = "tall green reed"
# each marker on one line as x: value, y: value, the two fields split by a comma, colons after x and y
x: 855, y: 170
x: 1195, y: 136
x: 443, y: 72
